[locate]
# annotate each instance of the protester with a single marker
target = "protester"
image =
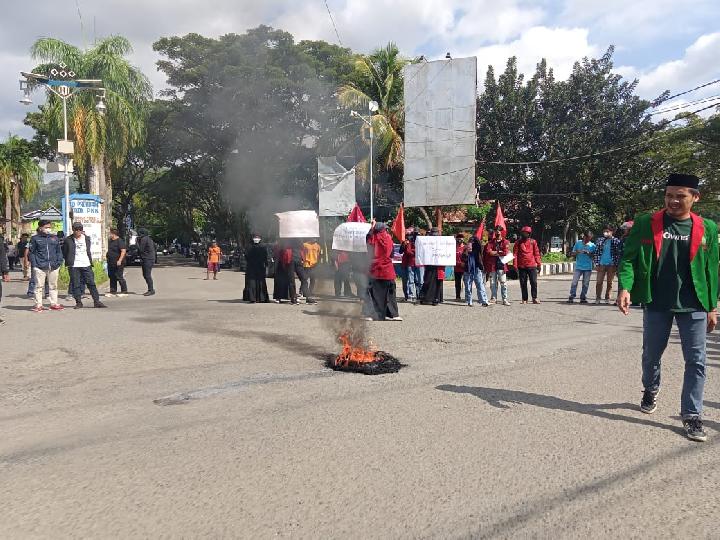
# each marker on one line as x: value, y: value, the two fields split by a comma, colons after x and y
x: 528, y: 262
x: 116, y: 253
x: 341, y: 259
x: 413, y: 274
x: 32, y: 283
x: 213, y: 257
x: 583, y: 251
x: 284, y: 288
x: 382, y: 275
x: 497, y: 248
x: 473, y: 263
x: 148, y: 254
x: 22, y: 247
x: 46, y: 257
x: 4, y: 270
x: 298, y: 268
x: 607, y: 257
x: 459, y: 269
x: 71, y: 286
x: 78, y: 259
x: 11, y: 252
x: 433, y: 280
x: 255, y: 284
x: 311, y: 253
x: 670, y: 264
x: 360, y: 263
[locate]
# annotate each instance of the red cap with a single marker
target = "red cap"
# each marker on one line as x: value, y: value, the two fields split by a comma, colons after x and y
x: 526, y: 229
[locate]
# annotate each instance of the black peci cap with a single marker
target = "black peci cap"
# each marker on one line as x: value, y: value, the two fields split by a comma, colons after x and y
x: 683, y: 180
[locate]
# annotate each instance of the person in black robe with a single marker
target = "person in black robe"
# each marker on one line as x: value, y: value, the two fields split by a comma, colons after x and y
x: 285, y: 275
x: 255, y: 285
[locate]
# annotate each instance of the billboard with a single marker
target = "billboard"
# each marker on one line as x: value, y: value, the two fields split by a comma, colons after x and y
x: 440, y: 103
x: 87, y: 209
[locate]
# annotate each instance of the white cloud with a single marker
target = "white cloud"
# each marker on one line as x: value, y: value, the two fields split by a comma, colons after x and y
x: 561, y: 47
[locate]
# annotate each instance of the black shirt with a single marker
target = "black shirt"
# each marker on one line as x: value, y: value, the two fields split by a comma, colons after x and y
x: 114, y: 249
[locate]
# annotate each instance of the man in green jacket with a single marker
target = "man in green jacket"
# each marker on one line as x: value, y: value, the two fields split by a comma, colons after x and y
x: 670, y: 264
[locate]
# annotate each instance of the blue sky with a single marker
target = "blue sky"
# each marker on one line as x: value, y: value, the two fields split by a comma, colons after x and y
x: 667, y: 44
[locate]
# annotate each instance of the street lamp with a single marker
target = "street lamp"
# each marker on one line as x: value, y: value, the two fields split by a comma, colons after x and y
x: 61, y: 82
x: 372, y: 107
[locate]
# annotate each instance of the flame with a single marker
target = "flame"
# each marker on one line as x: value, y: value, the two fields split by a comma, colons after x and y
x: 354, y: 354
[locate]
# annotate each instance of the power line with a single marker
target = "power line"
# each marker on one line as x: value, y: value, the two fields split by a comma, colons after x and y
x: 685, y: 105
x: 332, y: 20
x: 691, y: 90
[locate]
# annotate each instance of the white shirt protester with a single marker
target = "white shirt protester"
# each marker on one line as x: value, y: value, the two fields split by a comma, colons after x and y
x: 81, y: 257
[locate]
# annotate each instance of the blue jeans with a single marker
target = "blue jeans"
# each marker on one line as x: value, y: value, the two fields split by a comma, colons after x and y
x: 498, y: 277
x: 693, y: 332
x: 585, y: 275
x: 479, y: 279
x: 414, y: 282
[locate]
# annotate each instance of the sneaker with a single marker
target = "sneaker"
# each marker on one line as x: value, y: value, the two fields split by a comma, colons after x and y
x: 393, y: 318
x: 607, y: 301
x: 597, y: 301
x: 583, y: 301
x: 506, y: 302
x: 649, y: 402
x: 38, y: 309
x: 571, y: 300
x: 276, y: 301
x: 468, y: 304
x: 78, y: 305
x: 149, y: 293
x: 536, y: 301
x: 694, y: 429
x: 56, y: 307
x: 99, y: 305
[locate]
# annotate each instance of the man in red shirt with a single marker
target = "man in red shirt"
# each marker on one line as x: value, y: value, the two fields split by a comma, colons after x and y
x: 382, y: 275
x: 527, y: 261
x: 497, y: 248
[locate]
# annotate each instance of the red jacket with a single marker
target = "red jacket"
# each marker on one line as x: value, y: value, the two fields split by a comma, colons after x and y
x: 490, y: 261
x: 527, y: 253
x: 382, y: 265
x: 459, y: 264
x: 408, y: 254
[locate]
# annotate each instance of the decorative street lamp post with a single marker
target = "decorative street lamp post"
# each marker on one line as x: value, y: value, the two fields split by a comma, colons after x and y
x: 373, y: 107
x: 61, y: 81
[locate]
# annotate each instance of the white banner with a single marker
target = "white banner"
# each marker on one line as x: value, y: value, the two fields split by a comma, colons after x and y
x: 89, y: 213
x: 351, y: 237
x: 336, y: 187
x: 299, y: 224
x: 435, y: 250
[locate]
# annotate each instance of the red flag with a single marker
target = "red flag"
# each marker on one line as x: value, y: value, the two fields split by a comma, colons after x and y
x: 499, y: 218
x: 356, y: 215
x: 398, y: 226
x: 480, y: 230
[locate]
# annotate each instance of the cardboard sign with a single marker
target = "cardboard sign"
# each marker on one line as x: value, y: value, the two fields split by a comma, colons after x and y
x: 435, y: 250
x: 351, y: 237
x: 299, y: 224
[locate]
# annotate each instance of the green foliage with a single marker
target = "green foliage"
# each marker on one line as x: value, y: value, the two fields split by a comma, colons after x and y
x: 98, y: 271
x: 555, y: 258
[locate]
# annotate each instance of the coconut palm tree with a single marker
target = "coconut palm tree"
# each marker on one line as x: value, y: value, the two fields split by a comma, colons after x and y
x: 379, y: 78
x: 102, y: 140
x: 19, y: 178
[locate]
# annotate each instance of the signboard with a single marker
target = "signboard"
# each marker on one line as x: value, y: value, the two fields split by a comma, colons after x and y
x: 299, y: 224
x: 336, y: 187
x: 351, y: 237
x: 440, y: 102
x: 87, y: 209
x: 435, y: 251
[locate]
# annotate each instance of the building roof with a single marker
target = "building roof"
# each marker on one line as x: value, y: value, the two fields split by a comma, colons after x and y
x: 51, y: 214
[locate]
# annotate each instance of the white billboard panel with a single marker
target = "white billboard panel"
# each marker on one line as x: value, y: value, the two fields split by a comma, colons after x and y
x: 336, y: 187
x: 440, y: 103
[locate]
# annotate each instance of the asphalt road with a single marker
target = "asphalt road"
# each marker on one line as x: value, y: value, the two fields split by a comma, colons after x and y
x: 191, y: 414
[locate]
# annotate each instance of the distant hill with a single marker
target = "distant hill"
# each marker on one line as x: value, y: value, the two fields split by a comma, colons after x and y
x: 50, y: 193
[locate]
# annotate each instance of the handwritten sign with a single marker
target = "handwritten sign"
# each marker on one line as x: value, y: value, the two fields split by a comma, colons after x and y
x: 351, y: 237
x: 87, y: 209
x: 435, y: 250
x: 299, y: 224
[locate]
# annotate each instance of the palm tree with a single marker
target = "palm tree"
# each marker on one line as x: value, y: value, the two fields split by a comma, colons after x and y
x: 379, y: 78
x: 19, y: 178
x: 102, y: 141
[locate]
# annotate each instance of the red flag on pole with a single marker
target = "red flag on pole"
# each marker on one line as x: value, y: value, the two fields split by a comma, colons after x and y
x: 499, y: 217
x: 398, y: 226
x: 356, y: 215
x: 480, y: 230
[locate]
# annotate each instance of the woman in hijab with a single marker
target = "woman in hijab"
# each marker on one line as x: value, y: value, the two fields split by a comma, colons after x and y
x: 382, y: 275
x: 255, y: 284
x: 284, y: 274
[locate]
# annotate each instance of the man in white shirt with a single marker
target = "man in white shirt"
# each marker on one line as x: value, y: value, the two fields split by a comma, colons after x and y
x: 78, y: 259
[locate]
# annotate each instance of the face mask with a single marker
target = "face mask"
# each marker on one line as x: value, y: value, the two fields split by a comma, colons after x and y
x: 256, y: 240
x: 47, y: 231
